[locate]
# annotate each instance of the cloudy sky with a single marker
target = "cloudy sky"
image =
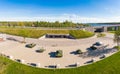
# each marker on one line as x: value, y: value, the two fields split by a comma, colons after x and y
x: 60, y: 10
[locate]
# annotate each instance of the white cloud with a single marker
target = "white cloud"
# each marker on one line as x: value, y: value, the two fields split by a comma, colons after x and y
x: 113, y: 11
x: 61, y: 18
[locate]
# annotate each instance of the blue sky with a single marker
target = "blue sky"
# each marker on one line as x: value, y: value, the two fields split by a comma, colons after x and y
x: 74, y: 9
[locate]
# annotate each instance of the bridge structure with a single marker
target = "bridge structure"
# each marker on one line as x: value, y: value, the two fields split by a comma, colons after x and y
x: 103, y: 28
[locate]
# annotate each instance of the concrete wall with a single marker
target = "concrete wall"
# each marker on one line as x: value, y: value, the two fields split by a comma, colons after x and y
x: 91, y: 29
x: 103, y: 28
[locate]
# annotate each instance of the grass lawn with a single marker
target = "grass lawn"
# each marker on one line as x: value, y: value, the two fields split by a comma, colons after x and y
x: 36, y: 33
x: 110, y: 65
x: 80, y: 34
x: 101, y: 35
x: 111, y: 31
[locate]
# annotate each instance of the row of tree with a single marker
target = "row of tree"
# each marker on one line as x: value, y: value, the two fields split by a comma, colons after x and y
x: 44, y: 24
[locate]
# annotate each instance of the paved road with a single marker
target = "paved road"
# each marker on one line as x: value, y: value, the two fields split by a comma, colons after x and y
x: 19, y: 51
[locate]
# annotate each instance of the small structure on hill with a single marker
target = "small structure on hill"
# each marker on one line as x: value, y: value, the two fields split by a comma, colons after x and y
x: 58, y: 36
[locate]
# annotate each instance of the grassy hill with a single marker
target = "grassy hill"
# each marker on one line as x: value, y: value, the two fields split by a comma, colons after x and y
x: 80, y: 34
x: 36, y: 33
x: 110, y: 65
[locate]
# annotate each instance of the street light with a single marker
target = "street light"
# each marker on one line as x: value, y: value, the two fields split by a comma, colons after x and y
x: 118, y: 40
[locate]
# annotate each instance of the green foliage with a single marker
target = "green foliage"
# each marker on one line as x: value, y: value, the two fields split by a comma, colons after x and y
x: 117, y: 47
x: 32, y: 33
x: 80, y: 34
x: 113, y: 28
x: 111, y: 32
x: 36, y: 33
x: 101, y: 35
x: 23, y: 32
x: 43, y: 24
x: 107, y: 66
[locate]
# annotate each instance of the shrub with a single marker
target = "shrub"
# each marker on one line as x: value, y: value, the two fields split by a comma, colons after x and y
x: 111, y: 32
x: 30, y: 45
x: 117, y: 47
x: 101, y: 35
x: 59, y: 53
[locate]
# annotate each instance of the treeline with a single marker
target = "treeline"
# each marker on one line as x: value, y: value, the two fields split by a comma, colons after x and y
x: 113, y: 28
x: 43, y: 24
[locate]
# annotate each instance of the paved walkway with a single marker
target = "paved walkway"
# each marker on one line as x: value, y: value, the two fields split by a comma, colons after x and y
x: 19, y: 51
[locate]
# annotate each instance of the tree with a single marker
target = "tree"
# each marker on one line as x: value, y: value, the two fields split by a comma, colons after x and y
x: 36, y: 24
x: 21, y: 24
x: 117, y: 37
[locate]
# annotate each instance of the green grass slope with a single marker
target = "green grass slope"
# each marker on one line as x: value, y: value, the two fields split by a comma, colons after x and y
x: 36, y: 33
x: 80, y: 34
x: 110, y: 65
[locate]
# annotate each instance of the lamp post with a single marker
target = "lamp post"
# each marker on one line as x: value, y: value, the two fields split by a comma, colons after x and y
x: 118, y: 41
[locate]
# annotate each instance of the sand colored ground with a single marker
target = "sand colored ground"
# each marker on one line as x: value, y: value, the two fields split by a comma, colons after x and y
x: 19, y: 51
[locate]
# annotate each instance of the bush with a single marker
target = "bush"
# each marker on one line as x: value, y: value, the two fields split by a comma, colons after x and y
x: 30, y: 45
x: 59, y: 53
x: 117, y: 47
x: 101, y: 35
x: 40, y: 50
x: 111, y: 32
x: 78, y: 51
